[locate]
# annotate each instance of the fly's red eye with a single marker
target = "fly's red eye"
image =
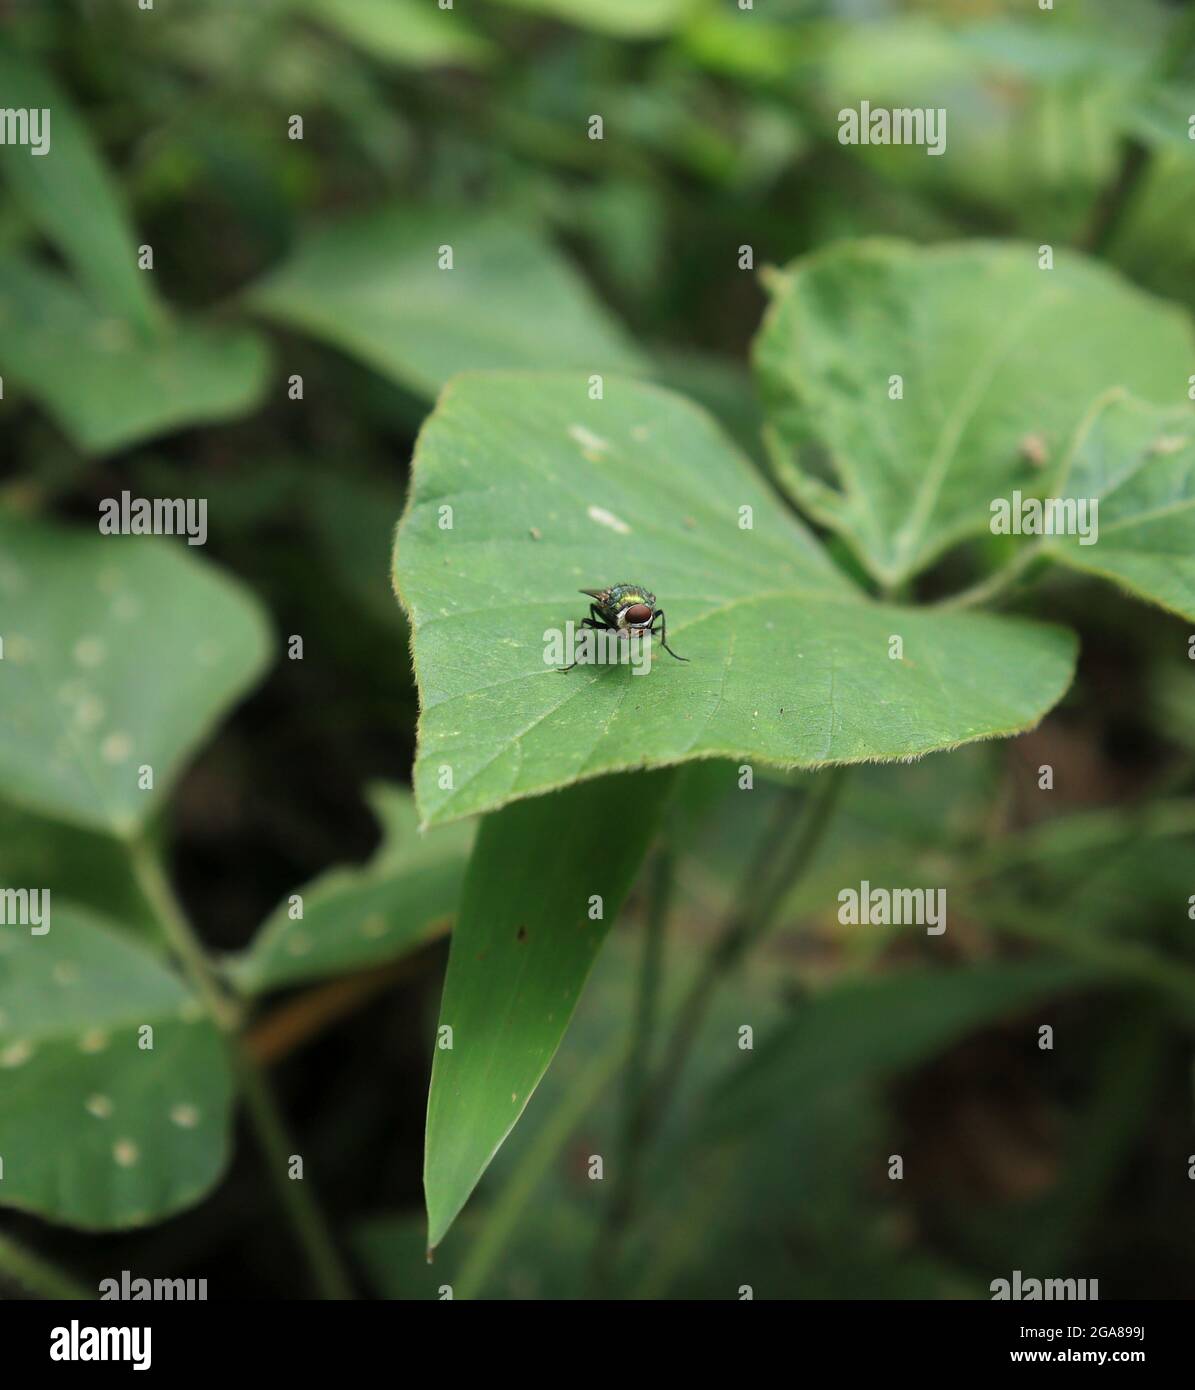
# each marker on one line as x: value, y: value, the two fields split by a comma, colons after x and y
x: 638, y: 613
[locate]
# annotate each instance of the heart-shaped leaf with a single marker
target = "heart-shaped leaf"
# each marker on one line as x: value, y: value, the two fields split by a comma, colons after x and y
x: 546, y: 881
x: 107, y: 383
x: 1138, y: 463
x: 356, y: 917
x: 933, y: 380
x: 373, y: 286
x: 525, y: 491
x: 102, y: 1123
x: 120, y: 652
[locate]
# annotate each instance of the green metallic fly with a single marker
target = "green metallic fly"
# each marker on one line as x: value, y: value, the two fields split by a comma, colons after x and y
x: 625, y: 609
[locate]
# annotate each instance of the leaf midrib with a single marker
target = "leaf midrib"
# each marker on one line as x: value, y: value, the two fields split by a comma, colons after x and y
x: 955, y: 426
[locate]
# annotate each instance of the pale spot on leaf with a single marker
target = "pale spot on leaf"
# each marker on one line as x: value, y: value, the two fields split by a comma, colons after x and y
x: 116, y: 748
x: 89, y: 651
x: 605, y: 518
x: 591, y: 443
x: 16, y: 1054
x: 89, y: 712
x: 125, y: 1152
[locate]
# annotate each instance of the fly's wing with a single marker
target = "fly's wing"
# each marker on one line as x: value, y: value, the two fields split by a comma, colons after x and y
x: 602, y: 603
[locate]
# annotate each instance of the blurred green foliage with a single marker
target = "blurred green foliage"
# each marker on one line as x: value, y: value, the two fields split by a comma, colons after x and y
x: 278, y: 260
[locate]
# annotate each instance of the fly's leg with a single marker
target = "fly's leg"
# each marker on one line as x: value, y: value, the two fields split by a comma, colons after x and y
x: 597, y: 624
x: 659, y: 616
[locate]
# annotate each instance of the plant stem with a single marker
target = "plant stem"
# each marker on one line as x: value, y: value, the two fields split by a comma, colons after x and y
x: 780, y: 861
x: 778, y: 866
x: 639, y: 1058
x: 306, y: 1219
x: 995, y: 583
x: 35, y: 1274
x: 1115, y: 203
x: 647, y: 1004
x: 152, y: 879
x: 1118, y: 959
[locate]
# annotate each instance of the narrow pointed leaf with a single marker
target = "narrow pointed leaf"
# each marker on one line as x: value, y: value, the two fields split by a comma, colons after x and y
x: 522, y: 948
x: 73, y: 198
x: 357, y: 917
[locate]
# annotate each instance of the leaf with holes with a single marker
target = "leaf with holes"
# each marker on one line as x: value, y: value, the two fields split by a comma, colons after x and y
x: 103, y: 1124
x: 908, y: 387
x: 120, y: 652
x: 358, y: 917
x: 526, y: 491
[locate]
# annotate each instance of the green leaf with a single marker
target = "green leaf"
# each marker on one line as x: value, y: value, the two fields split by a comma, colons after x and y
x: 76, y: 865
x: 118, y: 652
x: 1160, y: 116
x: 357, y: 917
x: 96, y: 1129
x: 992, y: 352
x: 1032, y: 119
x: 410, y: 33
x: 872, y: 1028
x: 628, y: 19
x: 371, y: 286
x: 788, y: 663
x: 71, y: 196
x: 107, y: 385
x: 521, y: 950
x: 1139, y: 463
